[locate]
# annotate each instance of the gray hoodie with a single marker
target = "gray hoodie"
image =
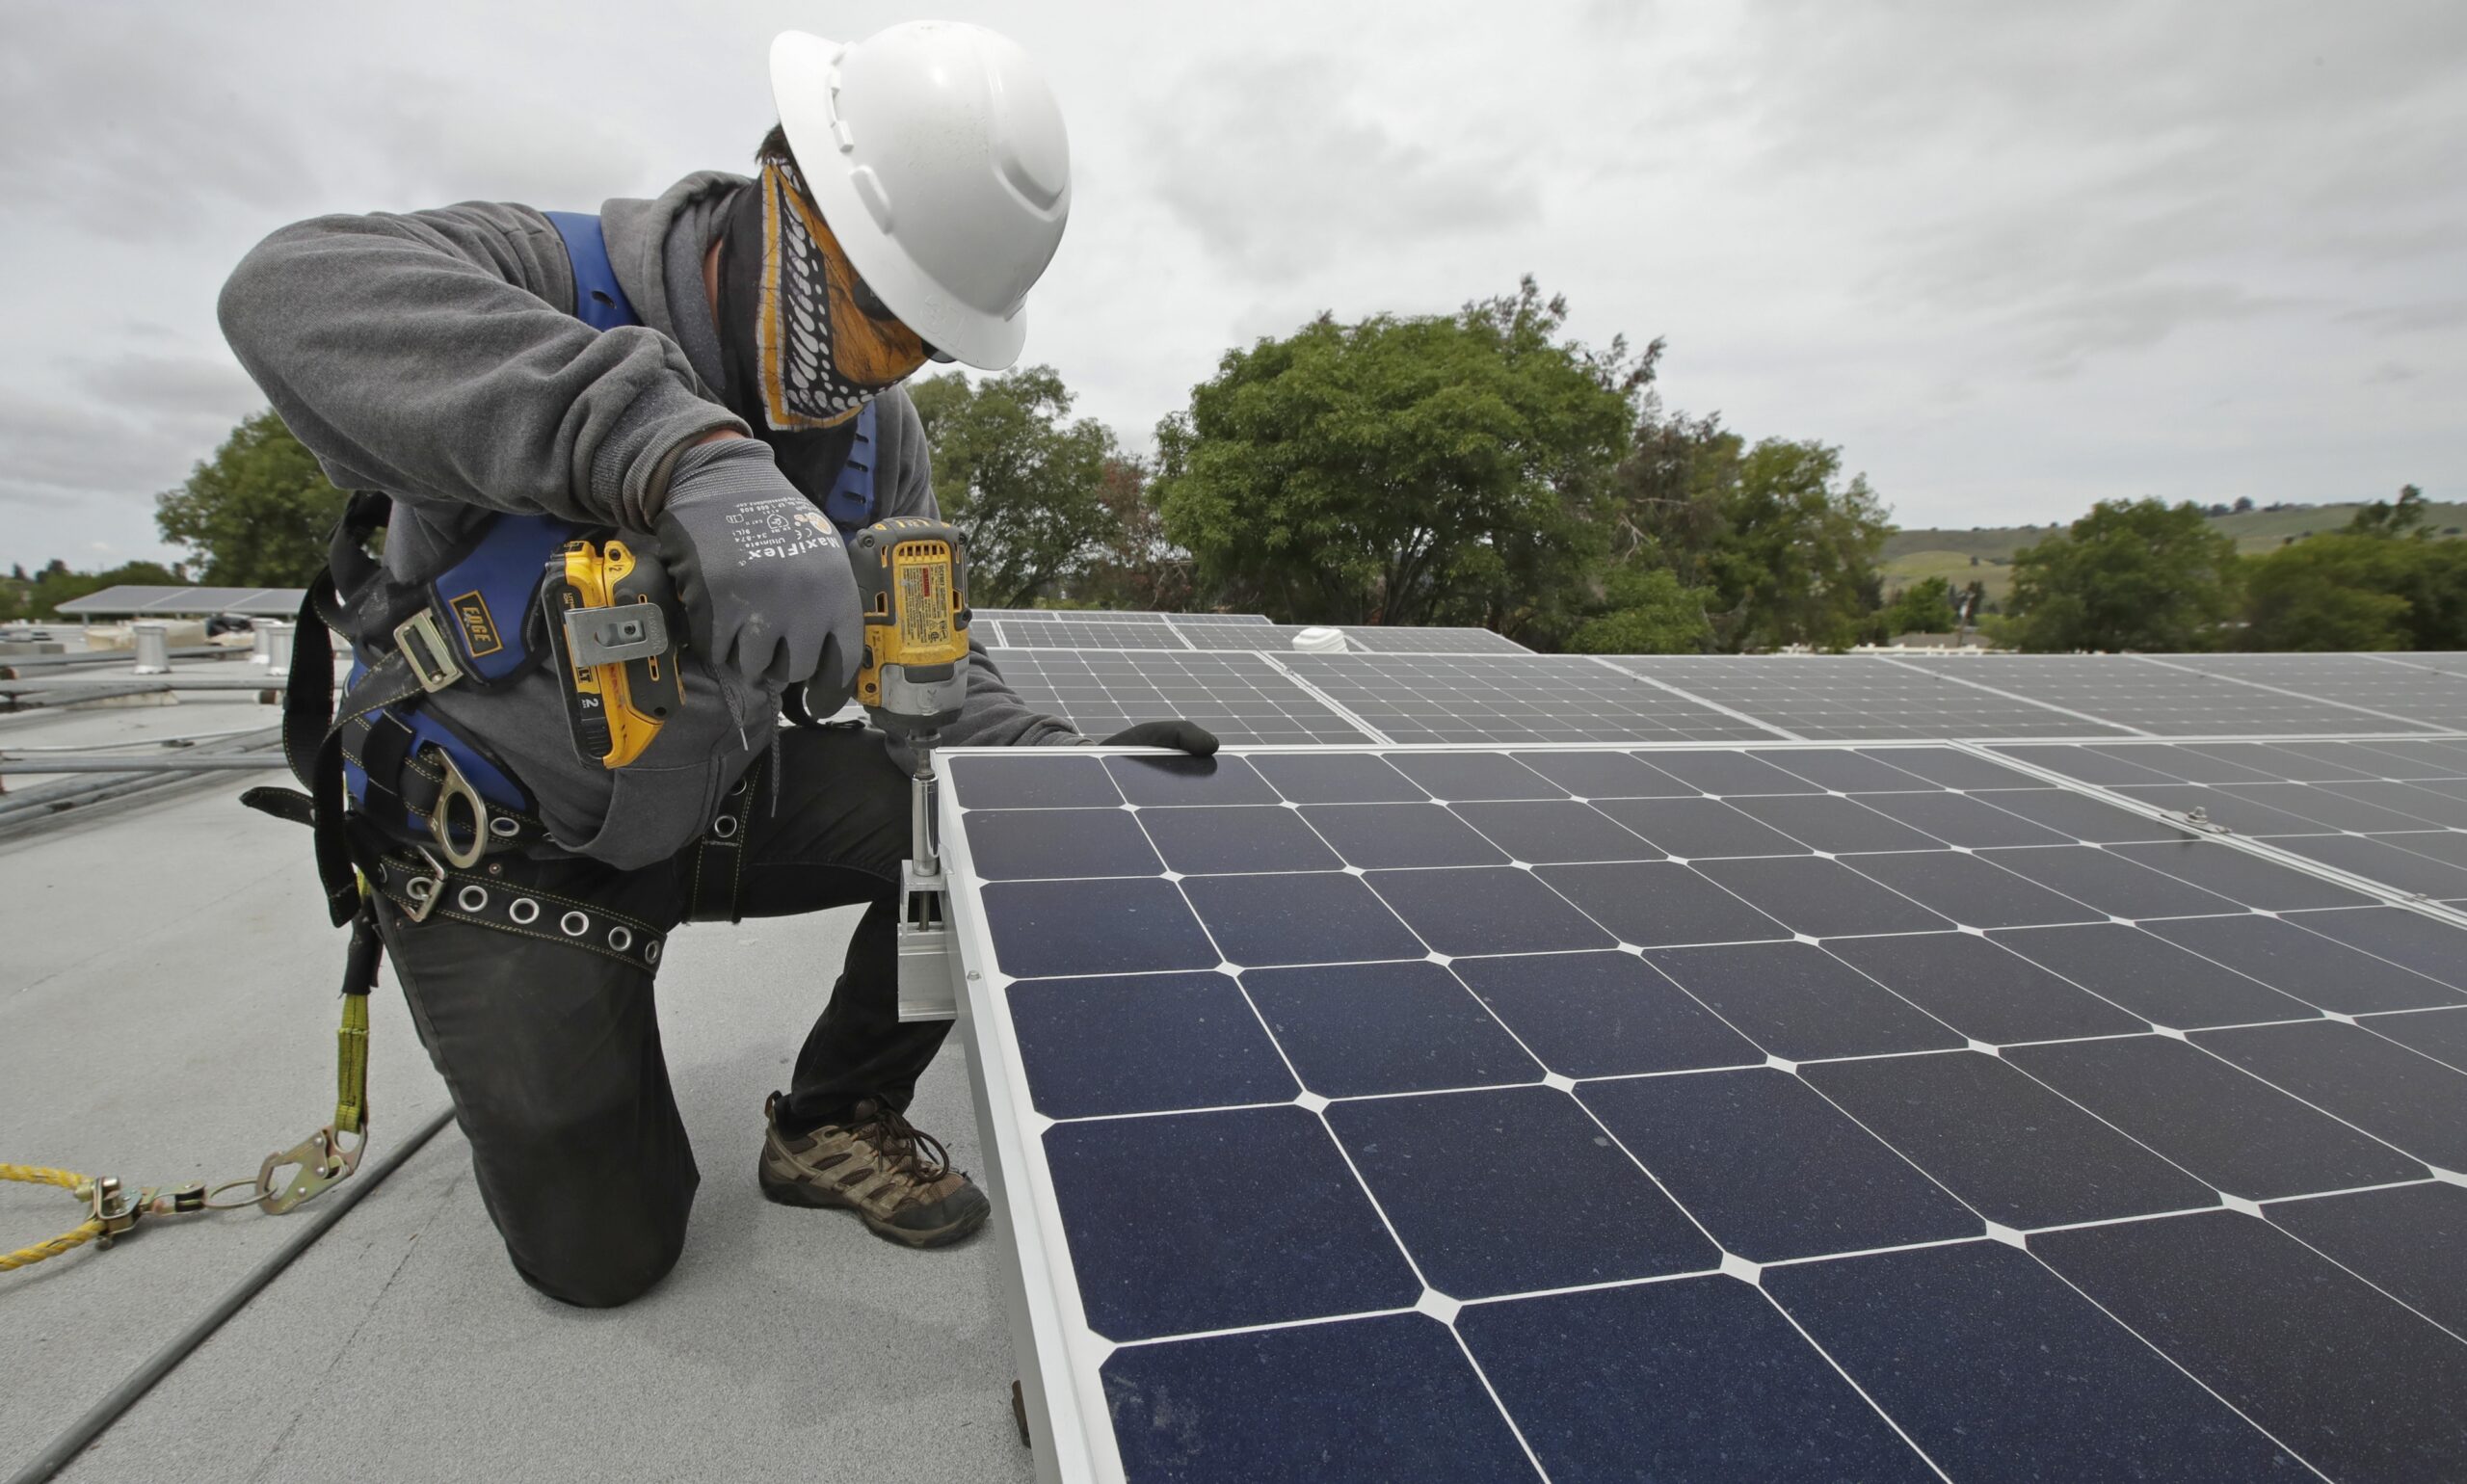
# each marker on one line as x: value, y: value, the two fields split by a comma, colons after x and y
x: 435, y: 355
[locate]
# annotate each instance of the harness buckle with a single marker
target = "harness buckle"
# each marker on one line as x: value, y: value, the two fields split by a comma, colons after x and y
x: 440, y: 824
x: 421, y: 641
x: 424, y: 892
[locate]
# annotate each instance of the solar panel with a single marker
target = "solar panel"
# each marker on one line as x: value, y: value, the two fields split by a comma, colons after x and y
x: 2154, y: 697
x: 1105, y: 633
x: 2398, y: 820
x: 1206, y: 619
x: 1272, y: 638
x: 2406, y: 693
x: 1704, y: 1114
x: 1383, y: 639
x: 1050, y: 615
x: 139, y: 601
x: 1241, y: 698
x: 1535, y: 697
x: 1848, y: 698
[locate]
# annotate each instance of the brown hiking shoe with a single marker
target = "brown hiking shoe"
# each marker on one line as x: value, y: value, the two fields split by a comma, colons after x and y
x: 897, y: 1179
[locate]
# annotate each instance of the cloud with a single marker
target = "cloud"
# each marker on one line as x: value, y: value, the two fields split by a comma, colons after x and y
x: 118, y: 430
x: 130, y: 141
x: 1279, y: 167
x: 2410, y: 318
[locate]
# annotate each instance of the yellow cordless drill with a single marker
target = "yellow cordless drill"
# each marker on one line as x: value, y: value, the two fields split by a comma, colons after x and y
x: 912, y: 576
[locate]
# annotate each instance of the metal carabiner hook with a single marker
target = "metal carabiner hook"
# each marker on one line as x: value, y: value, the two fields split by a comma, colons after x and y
x: 451, y: 787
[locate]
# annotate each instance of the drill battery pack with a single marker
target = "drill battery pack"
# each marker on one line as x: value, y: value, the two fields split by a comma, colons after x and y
x: 612, y: 620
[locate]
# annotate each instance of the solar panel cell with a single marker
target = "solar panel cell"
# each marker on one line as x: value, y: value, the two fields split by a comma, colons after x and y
x: 1600, y: 1015
x: 1456, y: 1173
x: 2384, y: 1089
x: 2234, y: 1132
x: 1237, y: 839
x: 1169, y: 1040
x: 2153, y: 978
x: 1322, y: 917
x: 2355, y: 1382
x: 2440, y: 1034
x: 2000, y: 1370
x: 1800, y: 1003
x: 1771, y: 1169
x: 1196, y: 1409
x: 2105, y: 881
x: 1694, y: 1379
x: 1363, y: 1030
x: 2014, y: 1152
x: 1241, y: 1217
x: 1654, y: 903
x: 2403, y: 1241
x: 1823, y: 898
x: 2306, y: 964
x: 1487, y: 910
x: 1980, y: 988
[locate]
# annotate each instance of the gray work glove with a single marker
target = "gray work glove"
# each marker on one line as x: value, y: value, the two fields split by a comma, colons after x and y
x: 769, y: 596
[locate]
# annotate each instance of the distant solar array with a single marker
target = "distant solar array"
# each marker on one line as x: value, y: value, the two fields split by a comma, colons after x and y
x: 137, y: 602
x: 1241, y: 698
x: 1826, y: 697
x: 1528, y: 698
x: 1740, y: 1111
x: 2389, y: 685
x: 1061, y: 628
x: 2393, y: 811
x: 2161, y: 697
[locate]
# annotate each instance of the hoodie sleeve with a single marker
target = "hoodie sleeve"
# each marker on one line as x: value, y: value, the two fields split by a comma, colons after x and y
x: 434, y: 355
x: 993, y: 715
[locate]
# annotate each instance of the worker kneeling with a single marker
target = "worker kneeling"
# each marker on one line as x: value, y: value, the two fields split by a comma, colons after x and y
x: 707, y: 385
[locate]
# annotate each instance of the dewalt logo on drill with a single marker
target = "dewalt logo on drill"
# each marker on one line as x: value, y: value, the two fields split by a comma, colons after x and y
x: 480, y: 634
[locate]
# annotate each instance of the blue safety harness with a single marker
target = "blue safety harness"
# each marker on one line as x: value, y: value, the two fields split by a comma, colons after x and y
x: 476, y: 622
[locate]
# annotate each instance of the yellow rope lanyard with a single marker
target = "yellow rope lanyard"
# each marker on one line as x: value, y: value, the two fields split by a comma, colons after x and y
x: 81, y: 1185
x: 319, y: 1161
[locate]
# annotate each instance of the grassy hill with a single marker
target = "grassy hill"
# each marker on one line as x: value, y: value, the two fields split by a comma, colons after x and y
x: 1912, y: 556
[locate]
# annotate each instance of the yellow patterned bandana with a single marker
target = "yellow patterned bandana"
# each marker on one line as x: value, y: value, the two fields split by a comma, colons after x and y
x: 822, y: 355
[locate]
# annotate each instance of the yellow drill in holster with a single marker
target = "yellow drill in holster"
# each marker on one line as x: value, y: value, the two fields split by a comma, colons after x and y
x: 612, y: 620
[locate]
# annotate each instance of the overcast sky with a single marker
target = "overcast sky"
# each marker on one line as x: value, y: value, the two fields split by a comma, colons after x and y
x: 2012, y: 259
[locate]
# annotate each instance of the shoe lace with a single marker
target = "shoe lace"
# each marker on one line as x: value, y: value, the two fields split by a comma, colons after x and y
x: 905, y: 1148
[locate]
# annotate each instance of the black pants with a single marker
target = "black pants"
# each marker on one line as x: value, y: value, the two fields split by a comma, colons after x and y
x: 552, y: 1053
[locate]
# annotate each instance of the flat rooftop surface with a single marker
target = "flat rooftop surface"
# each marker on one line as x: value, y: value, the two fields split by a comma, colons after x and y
x: 166, y: 1014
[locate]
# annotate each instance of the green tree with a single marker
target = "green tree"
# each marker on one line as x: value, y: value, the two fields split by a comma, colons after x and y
x: 2329, y: 591
x: 1647, y: 612
x: 1925, y: 607
x: 1440, y: 469
x: 257, y: 513
x: 1139, y: 566
x: 2407, y: 516
x: 57, y: 585
x: 1783, y: 547
x: 1027, y: 486
x: 2382, y: 583
x: 2132, y: 574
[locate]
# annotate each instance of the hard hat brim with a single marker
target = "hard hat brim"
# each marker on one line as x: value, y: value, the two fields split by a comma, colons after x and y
x: 802, y: 65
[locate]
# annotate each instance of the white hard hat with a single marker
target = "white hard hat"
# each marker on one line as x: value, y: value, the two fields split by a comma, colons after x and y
x: 937, y: 154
